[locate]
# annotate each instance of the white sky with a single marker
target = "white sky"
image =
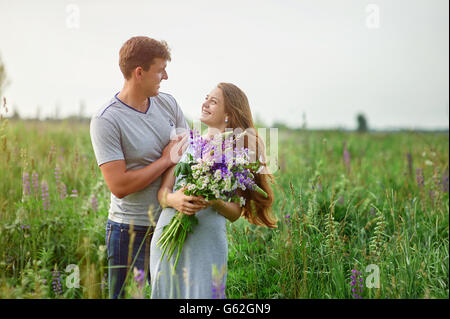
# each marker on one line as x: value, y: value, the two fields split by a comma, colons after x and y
x: 289, y: 56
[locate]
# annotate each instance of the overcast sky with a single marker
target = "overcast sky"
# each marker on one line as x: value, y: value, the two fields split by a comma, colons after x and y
x: 327, y: 59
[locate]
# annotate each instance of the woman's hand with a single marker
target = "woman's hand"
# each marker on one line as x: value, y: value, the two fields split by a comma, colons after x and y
x: 186, y: 204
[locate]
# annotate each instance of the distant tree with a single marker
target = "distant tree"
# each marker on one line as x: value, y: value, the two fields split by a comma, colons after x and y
x: 15, y: 113
x: 304, y: 121
x: 362, y: 123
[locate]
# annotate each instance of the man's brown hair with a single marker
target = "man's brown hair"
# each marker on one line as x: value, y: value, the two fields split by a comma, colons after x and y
x: 141, y: 51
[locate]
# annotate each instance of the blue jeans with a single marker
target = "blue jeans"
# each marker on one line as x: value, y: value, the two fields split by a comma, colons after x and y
x: 119, y: 261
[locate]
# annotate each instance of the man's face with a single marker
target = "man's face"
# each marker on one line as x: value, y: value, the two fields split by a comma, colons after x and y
x: 150, y: 80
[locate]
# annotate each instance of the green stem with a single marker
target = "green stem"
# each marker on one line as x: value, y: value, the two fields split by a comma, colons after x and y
x: 180, y: 247
x: 168, y: 230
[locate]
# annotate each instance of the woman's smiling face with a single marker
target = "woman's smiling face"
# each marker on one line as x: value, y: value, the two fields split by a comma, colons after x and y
x: 213, y: 109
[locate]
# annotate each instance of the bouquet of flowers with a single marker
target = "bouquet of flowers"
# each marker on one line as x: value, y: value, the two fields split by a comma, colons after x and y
x: 215, y: 170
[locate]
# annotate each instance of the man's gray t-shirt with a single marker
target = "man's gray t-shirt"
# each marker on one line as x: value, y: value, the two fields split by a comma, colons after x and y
x: 120, y: 132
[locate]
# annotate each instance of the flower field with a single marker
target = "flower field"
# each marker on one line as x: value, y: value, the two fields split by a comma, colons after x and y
x: 360, y: 215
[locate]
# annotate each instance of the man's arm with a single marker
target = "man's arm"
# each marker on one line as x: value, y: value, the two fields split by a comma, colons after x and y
x: 122, y: 182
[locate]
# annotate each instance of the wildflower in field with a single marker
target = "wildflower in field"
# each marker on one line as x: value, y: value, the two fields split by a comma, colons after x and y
x: 104, y: 283
x: 287, y: 218
x: 356, y: 284
x: 94, y: 202
x: 139, y: 279
x: 419, y: 177
x: 26, y: 184
x: 74, y: 193
x: 58, y: 174
x: 346, y: 157
x: 56, y: 283
x: 445, y: 182
x: 410, y: 168
x: 218, y: 285
x: 45, y: 196
x: 139, y: 276
x: 35, y: 182
x: 25, y: 229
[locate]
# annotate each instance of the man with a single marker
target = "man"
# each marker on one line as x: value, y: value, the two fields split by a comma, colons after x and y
x: 131, y: 137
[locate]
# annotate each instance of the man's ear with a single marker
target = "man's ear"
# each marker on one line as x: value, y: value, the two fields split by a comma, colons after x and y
x: 138, y: 72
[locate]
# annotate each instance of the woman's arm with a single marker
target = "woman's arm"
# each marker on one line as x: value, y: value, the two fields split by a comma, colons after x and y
x: 230, y: 210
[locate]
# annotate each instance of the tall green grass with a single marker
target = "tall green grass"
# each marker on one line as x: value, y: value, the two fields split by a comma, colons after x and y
x: 335, y: 214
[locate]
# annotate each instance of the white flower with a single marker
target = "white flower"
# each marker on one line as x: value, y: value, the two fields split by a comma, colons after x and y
x: 241, y: 201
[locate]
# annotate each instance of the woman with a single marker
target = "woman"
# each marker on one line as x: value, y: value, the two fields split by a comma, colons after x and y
x: 203, y: 259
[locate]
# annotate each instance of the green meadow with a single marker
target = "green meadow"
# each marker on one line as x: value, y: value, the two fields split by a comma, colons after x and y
x: 376, y: 203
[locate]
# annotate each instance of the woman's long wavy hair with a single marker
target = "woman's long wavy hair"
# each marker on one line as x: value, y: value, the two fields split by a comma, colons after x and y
x: 257, y: 209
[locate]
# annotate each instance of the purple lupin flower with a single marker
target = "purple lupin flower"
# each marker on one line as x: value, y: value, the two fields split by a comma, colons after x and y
x: 139, y: 277
x: 35, y: 182
x: 287, y: 218
x: 44, y: 195
x: 445, y: 182
x: 58, y: 174
x: 94, y: 202
x: 104, y: 283
x: 218, y: 292
x: 218, y: 284
x: 346, y: 157
x: 356, y: 284
x: 26, y: 184
x: 25, y: 229
x: 410, y: 166
x: 56, y: 283
x: 419, y: 177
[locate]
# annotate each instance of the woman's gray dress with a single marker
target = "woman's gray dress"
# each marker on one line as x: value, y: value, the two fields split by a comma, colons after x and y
x: 204, y: 248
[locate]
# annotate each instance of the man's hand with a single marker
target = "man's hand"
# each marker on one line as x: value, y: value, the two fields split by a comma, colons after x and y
x: 175, y: 149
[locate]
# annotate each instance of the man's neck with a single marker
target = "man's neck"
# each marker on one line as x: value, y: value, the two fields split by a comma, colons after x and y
x: 133, y: 98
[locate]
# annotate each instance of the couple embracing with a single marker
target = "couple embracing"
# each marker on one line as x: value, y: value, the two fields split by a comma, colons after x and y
x: 135, y: 141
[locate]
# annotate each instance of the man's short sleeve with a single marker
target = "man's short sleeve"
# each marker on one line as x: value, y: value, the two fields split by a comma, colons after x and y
x: 181, y: 120
x: 105, y: 138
